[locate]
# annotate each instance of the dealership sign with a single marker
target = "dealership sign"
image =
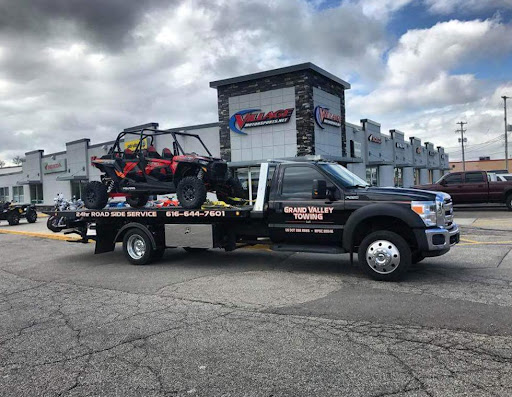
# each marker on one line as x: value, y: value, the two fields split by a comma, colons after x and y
x: 50, y: 167
x: 375, y: 139
x: 400, y: 145
x: 323, y: 116
x: 250, y: 118
x: 418, y: 150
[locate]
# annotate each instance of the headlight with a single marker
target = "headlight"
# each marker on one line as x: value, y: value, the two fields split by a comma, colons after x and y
x: 431, y: 212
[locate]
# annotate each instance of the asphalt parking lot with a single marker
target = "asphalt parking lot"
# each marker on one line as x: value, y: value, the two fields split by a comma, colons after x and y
x: 256, y: 323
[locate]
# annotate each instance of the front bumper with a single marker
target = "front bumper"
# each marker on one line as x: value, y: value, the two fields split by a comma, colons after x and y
x: 440, y: 238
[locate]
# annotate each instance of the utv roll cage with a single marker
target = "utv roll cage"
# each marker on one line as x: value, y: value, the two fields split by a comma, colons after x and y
x: 141, y: 133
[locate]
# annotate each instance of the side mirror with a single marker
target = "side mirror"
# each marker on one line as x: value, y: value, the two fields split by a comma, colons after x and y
x: 319, y: 189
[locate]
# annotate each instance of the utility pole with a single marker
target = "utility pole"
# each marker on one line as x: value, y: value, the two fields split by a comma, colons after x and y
x: 462, y: 140
x: 506, y: 130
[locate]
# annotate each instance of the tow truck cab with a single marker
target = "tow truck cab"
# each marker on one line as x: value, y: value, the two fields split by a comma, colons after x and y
x: 301, y: 207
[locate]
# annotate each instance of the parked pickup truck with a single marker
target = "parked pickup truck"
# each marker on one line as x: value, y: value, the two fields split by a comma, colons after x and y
x: 318, y: 207
x: 473, y: 187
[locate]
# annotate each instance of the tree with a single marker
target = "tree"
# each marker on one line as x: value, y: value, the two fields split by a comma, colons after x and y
x: 18, y: 160
x: 2, y: 164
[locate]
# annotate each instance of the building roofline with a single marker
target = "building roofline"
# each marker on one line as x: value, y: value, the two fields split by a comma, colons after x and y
x: 53, y: 154
x: 34, y: 151
x: 370, y: 121
x: 194, y: 127
x: 139, y: 127
x: 276, y: 72
x: 101, y: 144
x: 353, y: 125
x: 78, y: 141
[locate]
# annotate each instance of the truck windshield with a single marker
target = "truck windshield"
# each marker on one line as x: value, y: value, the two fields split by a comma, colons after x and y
x: 343, y: 176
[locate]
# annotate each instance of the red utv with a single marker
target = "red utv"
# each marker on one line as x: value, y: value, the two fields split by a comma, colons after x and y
x: 140, y: 173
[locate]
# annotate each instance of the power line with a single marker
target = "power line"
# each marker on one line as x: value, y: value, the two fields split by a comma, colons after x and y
x: 506, y: 130
x: 461, y: 140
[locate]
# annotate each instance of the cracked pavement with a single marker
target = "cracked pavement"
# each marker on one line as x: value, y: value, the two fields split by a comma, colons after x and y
x: 252, y: 323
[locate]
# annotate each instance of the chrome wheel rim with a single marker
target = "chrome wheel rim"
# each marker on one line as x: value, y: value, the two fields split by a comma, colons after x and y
x: 136, y: 246
x: 383, y: 256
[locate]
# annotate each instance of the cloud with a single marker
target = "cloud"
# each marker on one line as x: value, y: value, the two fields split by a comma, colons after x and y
x: 466, y: 6
x: 70, y: 69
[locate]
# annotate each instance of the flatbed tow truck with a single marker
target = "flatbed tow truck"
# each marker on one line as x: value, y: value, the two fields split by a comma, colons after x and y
x: 300, y: 206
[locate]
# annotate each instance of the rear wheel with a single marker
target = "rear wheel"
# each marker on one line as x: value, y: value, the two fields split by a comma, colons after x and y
x: 384, y: 255
x: 191, y: 192
x: 13, y: 218
x: 508, y: 201
x: 31, y: 215
x: 232, y: 190
x: 137, y: 201
x: 137, y: 247
x: 96, y: 195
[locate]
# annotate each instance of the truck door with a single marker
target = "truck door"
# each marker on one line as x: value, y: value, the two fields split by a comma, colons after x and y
x: 296, y: 217
x: 475, y: 188
x: 452, y: 184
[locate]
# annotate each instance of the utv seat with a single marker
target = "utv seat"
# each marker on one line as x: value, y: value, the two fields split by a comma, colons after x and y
x: 167, y: 154
x: 152, y: 153
x: 129, y: 155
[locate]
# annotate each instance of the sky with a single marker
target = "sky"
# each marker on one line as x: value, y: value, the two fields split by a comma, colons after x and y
x: 71, y: 69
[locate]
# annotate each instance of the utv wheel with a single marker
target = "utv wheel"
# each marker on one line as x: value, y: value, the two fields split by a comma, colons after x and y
x: 384, y: 256
x: 13, y: 218
x: 31, y: 216
x: 191, y: 192
x: 232, y: 189
x: 137, y: 201
x: 137, y: 247
x: 96, y: 195
x: 508, y: 201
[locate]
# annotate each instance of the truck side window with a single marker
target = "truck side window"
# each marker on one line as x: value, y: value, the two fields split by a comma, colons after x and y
x: 453, y: 179
x: 298, y: 181
x: 474, y: 177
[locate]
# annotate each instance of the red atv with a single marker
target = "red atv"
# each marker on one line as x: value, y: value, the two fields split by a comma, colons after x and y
x: 142, y: 172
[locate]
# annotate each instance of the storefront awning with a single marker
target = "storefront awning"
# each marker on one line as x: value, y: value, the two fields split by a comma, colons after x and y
x: 338, y: 159
x: 36, y: 182
x: 73, y: 178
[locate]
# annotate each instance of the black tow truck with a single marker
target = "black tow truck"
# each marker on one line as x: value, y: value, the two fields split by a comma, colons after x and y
x: 316, y: 206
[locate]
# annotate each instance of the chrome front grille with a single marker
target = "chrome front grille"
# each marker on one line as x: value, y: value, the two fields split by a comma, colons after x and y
x: 448, y: 212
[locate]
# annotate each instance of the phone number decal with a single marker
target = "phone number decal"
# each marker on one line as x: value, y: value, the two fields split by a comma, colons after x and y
x: 196, y: 214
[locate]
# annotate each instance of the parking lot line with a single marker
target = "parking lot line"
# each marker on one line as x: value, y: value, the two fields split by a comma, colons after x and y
x: 466, y: 241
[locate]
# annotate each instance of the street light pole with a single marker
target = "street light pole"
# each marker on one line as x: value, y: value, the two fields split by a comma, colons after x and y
x: 506, y: 130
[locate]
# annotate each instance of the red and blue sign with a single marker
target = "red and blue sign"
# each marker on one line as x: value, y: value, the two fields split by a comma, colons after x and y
x: 323, y: 116
x: 249, y: 118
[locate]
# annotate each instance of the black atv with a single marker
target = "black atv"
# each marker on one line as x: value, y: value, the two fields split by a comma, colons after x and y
x: 12, y: 212
x: 142, y: 172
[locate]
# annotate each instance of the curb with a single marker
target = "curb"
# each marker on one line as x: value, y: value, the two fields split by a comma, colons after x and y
x: 51, y: 236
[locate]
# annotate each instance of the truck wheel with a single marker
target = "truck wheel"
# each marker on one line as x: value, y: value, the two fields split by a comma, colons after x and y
x: 137, y: 247
x: 96, y: 195
x: 137, y: 201
x: 384, y: 255
x: 192, y: 250
x: 191, y: 192
x: 508, y: 201
x: 13, y: 218
x: 232, y: 189
x: 31, y: 215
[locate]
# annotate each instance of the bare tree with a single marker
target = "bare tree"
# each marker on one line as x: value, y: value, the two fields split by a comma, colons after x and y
x: 2, y: 164
x: 18, y: 160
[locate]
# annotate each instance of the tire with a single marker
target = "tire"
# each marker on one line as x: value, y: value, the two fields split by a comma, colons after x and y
x: 508, y: 201
x: 191, y: 192
x: 232, y: 189
x: 137, y: 247
x: 417, y: 257
x: 395, y: 261
x: 51, y: 224
x: 193, y: 250
x: 13, y: 218
x: 31, y: 215
x: 137, y: 201
x: 96, y: 195
x: 157, y: 254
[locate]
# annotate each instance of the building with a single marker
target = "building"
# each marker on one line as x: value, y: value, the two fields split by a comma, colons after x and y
x: 484, y: 164
x: 287, y: 113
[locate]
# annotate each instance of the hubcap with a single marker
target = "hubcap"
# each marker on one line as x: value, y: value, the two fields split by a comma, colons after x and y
x: 383, y: 256
x: 189, y: 193
x: 136, y: 246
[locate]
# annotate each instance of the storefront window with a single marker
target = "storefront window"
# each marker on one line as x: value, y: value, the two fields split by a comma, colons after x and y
x: 36, y: 193
x: 77, y: 189
x: 372, y: 176
x: 399, y: 180
x: 4, y: 194
x: 416, y: 176
x: 18, y: 194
